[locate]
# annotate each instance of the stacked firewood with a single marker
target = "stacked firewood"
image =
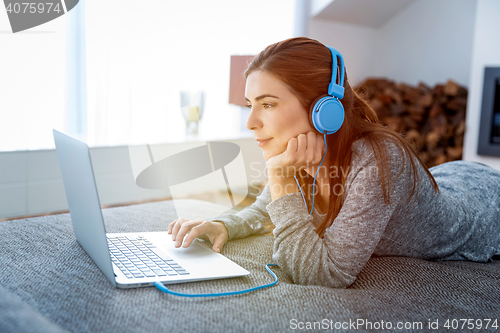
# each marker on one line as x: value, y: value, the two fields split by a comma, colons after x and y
x: 432, y: 120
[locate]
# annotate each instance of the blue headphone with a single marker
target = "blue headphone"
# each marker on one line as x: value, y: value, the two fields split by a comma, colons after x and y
x: 327, y: 112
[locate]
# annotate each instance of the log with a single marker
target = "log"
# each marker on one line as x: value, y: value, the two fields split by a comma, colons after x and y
x: 431, y: 119
x: 454, y: 153
x: 451, y: 88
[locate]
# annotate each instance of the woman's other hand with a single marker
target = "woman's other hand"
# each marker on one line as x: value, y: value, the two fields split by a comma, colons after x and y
x: 184, y: 232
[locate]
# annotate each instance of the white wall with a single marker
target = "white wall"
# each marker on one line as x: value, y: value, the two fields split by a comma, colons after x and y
x: 355, y: 42
x: 429, y: 41
x: 486, y: 52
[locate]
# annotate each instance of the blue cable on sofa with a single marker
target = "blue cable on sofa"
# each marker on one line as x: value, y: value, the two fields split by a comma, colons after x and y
x: 160, y: 286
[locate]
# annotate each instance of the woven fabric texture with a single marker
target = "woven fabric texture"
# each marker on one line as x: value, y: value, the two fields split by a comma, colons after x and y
x: 49, y: 284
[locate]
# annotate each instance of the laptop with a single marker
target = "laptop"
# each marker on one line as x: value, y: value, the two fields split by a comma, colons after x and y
x: 129, y: 260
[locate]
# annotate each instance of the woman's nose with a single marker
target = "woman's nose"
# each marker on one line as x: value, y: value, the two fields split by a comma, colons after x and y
x: 253, y: 121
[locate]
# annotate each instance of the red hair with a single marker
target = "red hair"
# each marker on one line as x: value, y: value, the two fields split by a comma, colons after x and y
x: 305, y: 66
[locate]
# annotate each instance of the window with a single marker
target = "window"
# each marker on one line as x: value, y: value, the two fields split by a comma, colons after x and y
x: 32, y: 84
x: 139, y: 55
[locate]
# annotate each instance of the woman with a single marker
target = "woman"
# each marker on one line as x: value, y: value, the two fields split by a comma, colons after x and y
x: 372, y: 195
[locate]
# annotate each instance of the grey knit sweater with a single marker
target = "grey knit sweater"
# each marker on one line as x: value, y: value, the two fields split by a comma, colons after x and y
x: 461, y: 222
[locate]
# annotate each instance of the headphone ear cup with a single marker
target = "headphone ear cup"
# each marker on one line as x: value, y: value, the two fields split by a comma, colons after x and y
x: 326, y: 114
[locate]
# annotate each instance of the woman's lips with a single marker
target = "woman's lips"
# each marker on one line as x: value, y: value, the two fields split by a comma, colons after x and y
x: 263, y: 142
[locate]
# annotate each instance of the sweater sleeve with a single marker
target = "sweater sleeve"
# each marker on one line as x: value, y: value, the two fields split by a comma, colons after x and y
x: 336, y: 259
x: 253, y: 219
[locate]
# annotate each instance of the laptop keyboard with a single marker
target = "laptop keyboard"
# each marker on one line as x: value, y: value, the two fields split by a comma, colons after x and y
x: 137, y: 257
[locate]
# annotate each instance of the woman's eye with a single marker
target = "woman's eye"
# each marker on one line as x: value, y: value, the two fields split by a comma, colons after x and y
x: 249, y: 106
x: 266, y: 106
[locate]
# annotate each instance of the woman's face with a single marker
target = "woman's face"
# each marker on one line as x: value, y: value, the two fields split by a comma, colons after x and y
x: 276, y: 114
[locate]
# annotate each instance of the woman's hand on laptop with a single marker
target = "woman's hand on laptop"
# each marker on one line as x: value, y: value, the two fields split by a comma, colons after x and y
x: 184, y: 232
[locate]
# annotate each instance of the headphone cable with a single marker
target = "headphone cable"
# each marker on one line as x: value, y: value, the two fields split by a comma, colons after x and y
x: 160, y: 286
x: 314, y: 181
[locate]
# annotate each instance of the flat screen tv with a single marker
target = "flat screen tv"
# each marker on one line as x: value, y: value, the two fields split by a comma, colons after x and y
x: 489, y: 128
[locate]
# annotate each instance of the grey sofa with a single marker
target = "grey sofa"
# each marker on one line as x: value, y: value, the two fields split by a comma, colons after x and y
x: 49, y: 284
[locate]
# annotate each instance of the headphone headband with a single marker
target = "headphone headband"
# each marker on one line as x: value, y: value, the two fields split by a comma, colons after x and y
x: 327, y: 112
x: 334, y: 89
